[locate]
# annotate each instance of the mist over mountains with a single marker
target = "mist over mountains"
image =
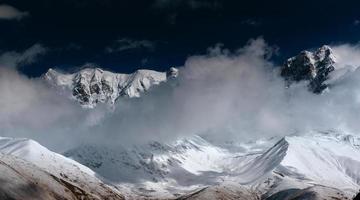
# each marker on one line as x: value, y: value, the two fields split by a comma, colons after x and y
x: 224, y: 94
x: 173, y: 129
x: 179, y: 100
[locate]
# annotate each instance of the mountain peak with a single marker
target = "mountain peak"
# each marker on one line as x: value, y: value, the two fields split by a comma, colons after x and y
x: 314, y: 67
x: 325, y: 48
x: 61, y: 177
x: 325, y: 52
x: 173, y: 72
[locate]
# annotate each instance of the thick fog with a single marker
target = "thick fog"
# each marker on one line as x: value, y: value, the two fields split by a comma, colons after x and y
x: 228, y: 95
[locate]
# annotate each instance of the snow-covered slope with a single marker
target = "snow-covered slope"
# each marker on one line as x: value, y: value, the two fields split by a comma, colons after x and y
x: 234, y: 191
x: 229, y: 191
x: 332, y: 160
x: 329, y: 160
x: 22, y: 180
x: 317, y: 163
x: 31, y: 163
x: 92, y: 85
x: 156, y: 169
x: 311, y: 166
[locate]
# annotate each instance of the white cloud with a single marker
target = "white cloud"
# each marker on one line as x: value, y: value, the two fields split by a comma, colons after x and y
x: 228, y: 95
x: 8, y: 12
x: 13, y: 59
x: 128, y: 44
x: 236, y: 95
x: 31, y: 109
x: 347, y: 55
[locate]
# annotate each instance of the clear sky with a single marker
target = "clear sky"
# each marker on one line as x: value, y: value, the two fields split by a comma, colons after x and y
x: 124, y: 35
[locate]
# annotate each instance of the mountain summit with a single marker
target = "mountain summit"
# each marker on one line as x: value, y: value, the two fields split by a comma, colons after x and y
x: 314, y: 67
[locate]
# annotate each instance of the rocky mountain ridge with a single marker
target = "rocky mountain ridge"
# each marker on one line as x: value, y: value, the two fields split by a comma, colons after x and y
x: 93, y: 85
x: 314, y: 67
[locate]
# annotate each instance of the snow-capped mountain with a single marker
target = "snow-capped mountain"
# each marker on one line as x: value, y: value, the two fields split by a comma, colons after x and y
x: 31, y: 171
x: 315, y: 165
x: 92, y: 85
x: 314, y: 67
x: 156, y: 169
x: 329, y: 160
x: 322, y: 164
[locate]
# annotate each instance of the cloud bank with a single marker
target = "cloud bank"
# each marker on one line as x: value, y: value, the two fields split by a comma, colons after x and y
x: 226, y: 95
x: 13, y: 59
x: 8, y: 12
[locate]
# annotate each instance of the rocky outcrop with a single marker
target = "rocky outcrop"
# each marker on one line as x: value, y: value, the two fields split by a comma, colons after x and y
x: 314, y: 67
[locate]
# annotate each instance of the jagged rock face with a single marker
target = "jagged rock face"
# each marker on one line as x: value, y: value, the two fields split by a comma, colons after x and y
x: 314, y: 67
x: 173, y: 72
x: 93, y: 85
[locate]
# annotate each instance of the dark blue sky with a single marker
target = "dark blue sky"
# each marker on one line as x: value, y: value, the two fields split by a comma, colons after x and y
x: 124, y: 35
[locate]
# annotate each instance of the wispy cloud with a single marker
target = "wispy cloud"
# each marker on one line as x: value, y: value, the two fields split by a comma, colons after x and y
x: 125, y: 44
x: 14, y: 59
x: 222, y: 93
x: 251, y: 22
x: 8, y: 12
x: 356, y: 22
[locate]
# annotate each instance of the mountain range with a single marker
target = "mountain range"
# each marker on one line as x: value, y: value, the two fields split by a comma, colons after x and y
x: 93, y: 85
x: 311, y: 165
